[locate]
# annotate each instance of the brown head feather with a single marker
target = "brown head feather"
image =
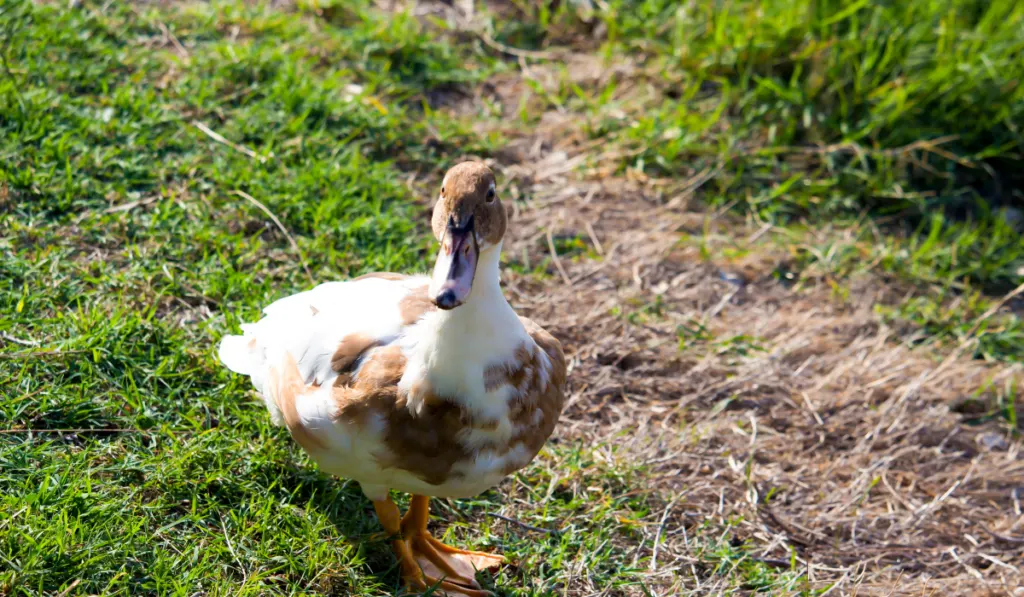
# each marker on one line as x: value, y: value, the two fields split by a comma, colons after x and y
x: 469, y: 189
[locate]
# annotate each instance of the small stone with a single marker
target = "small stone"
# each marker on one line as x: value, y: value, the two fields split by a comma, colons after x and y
x: 994, y: 442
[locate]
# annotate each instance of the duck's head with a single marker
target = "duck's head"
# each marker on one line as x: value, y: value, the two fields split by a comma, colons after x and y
x: 469, y: 220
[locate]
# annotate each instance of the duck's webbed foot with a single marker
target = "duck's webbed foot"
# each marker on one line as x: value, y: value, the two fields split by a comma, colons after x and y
x: 425, y: 561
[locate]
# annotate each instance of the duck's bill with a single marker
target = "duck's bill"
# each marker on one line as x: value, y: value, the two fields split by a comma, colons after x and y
x: 455, y: 267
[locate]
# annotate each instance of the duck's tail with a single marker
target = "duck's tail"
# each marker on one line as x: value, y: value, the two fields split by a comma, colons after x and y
x: 238, y: 353
x: 243, y: 354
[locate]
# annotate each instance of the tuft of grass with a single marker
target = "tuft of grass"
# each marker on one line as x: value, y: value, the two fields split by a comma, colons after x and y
x: 923, y: 92
x: 954, y: 273
x: 994, y: 402
x: 695, y: 336
x: 960, y: 320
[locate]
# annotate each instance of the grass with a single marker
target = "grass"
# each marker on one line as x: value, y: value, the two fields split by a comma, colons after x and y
x: 138, y: 144
x: 878, y: 75
x: 817, y: 112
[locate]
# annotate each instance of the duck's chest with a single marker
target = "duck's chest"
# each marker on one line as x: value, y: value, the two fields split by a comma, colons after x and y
x: 455, y: 379
x: 464, y: 415
x: 457, y: 365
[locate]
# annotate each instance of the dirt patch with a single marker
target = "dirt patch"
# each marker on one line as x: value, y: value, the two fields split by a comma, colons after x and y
x: 793, y: 420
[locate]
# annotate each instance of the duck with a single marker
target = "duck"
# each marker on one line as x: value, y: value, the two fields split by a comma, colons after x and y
x: 428, y: 384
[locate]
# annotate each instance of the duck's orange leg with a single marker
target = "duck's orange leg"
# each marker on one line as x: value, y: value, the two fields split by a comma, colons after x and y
x: 425, y: 561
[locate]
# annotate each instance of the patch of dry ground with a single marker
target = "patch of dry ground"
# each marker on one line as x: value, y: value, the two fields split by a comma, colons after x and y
x: 799, y: 420
x: 795, y: 420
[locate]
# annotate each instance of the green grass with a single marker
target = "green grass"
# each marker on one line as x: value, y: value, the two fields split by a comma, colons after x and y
x: 177, y: 483
x: 865, y: 78
x: 129, y: 245
x: 128, y: 248
x: 900, y: 119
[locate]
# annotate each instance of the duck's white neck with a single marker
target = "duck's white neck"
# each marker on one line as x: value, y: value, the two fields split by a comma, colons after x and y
x: 453, y: 348
x: 487, y: 282
x: 486, y: 301
x: 484, y: 329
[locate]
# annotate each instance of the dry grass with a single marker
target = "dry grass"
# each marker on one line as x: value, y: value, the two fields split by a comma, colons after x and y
x: 793, y: 419
x: 837, y: 442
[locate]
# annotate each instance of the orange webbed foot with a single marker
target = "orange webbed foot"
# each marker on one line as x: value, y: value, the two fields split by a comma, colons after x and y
x: 427, y: 562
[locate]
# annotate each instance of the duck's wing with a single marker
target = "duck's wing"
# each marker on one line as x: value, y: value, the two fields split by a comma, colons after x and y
x: 540, y: 401
x: 326, y: 329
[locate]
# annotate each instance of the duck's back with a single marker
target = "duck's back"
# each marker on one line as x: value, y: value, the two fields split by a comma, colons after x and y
x: 311, y: 326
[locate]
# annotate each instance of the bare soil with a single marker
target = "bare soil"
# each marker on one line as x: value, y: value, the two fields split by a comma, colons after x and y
x: 792, y: 418
x: 819, y: 428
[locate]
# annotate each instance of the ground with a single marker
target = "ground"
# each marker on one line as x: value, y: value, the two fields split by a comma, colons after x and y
x: 780, y: 243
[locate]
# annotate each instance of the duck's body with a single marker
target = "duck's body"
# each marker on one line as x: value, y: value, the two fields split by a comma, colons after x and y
x: 380, y: 385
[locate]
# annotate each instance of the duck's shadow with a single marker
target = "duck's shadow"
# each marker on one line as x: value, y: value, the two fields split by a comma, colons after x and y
x: 352, y: 515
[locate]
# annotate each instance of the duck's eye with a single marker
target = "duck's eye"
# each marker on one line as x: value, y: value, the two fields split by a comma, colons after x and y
x: 442, y: 190
x: 490, y: 195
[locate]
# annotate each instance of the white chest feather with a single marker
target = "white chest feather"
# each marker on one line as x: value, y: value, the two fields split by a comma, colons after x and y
x: 449, y: 352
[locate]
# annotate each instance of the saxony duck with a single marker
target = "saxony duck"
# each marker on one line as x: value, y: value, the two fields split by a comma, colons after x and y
x: 430, y: 385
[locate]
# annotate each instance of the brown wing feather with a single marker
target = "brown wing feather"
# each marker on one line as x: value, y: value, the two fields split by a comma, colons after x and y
x: 423, y: 444
x: 352, y: 347
x: 543, y: 394
x: 287, y: 385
